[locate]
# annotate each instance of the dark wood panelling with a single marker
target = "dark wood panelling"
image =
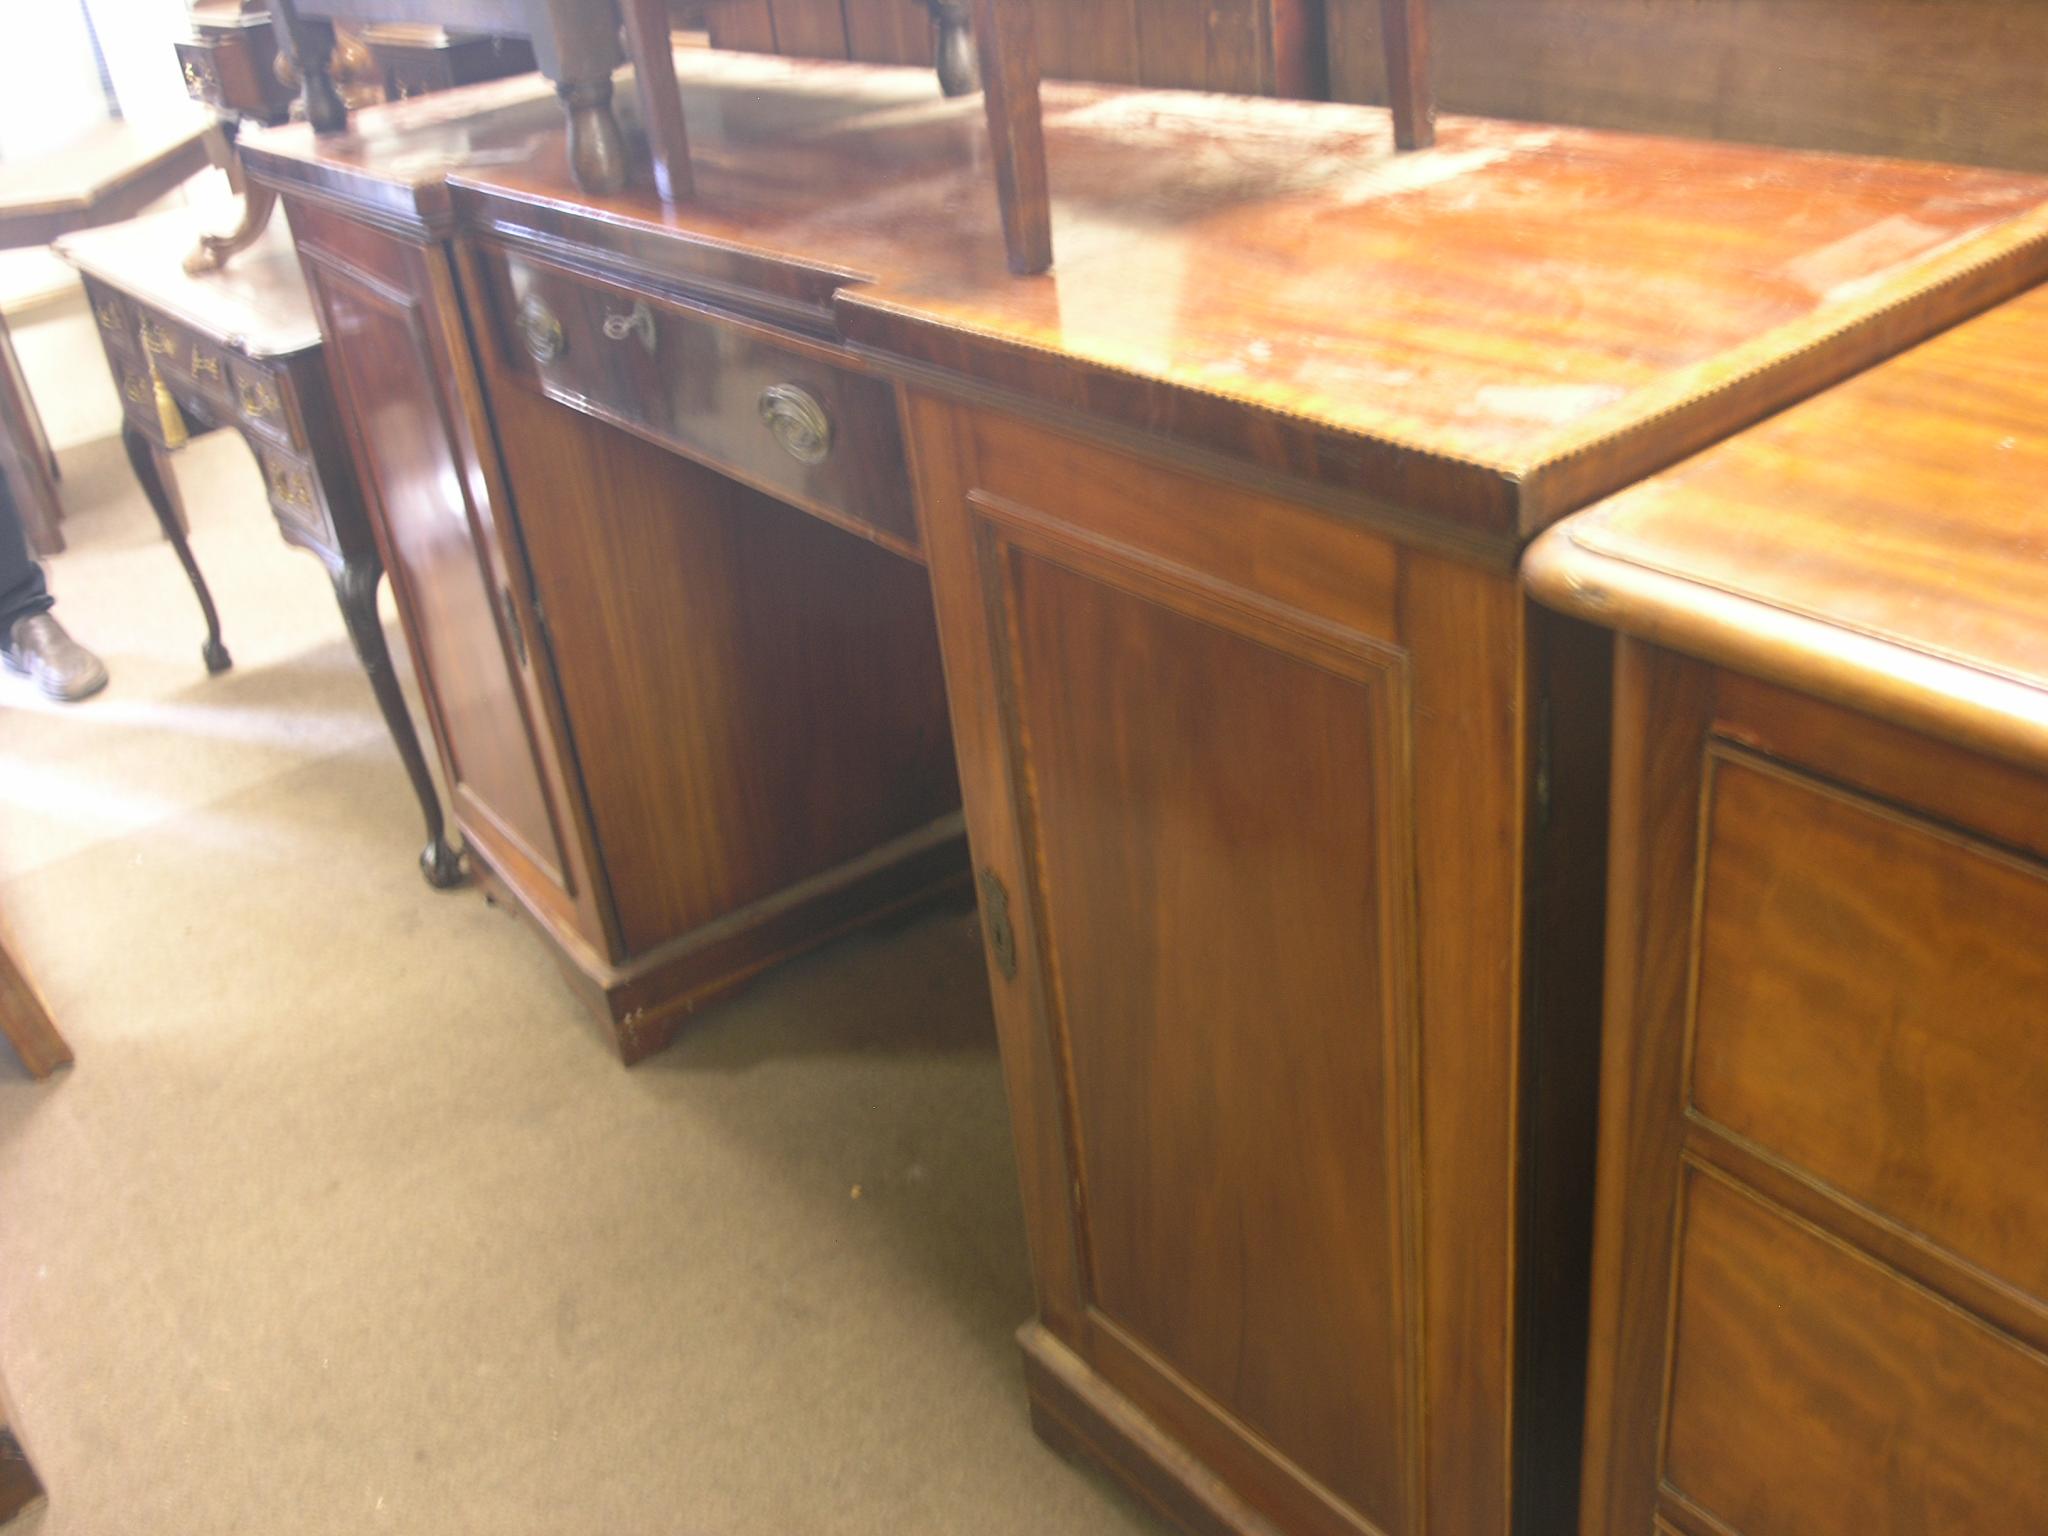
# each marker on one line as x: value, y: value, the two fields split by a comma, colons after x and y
x: 1251, y: 47
x: 1816, y: 1393
x: 1933, y: 79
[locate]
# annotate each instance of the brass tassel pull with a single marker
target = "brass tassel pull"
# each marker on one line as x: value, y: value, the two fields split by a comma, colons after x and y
x: 168, y: 416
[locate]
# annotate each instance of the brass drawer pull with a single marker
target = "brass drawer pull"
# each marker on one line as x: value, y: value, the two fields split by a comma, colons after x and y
x: 133, y: 387
x: 639, y: 322
x: 204, y: 367
x: 109, y: 315
x: 158, y: 340
x: 798, y: 422
x: 289, y: 486
x: 540, y: 330
x: 258, y: 398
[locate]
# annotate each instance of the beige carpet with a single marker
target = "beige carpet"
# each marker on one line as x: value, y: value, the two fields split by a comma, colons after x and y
x: 346, y: 1221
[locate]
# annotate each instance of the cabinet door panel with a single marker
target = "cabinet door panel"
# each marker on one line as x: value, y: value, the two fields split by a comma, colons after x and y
x: 457, y: 588
x: 1216, y: 924
x: 1243, y: 777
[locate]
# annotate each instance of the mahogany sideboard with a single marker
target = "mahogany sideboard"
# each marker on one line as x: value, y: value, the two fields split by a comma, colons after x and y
x: 1820, y: 1302
x: 1286, y: 810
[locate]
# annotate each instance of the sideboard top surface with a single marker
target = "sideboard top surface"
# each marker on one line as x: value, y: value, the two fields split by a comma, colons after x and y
x: 1489, y: 333
x: 1885, y: 542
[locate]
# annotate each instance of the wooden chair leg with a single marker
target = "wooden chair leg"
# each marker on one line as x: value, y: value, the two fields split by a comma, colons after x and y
x: 1404, y: 30
x: 576, y: 45
x: 1006, y: 37
x: 26, y: 1023
x: 661, y: 102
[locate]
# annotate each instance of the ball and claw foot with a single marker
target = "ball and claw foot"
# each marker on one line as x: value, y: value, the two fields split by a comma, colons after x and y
x: 441, y: 864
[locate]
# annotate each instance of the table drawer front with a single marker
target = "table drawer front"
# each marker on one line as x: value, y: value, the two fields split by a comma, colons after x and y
x: 263, y: 403
x: 785, y: 419
x: 184, y: 357
x: 114, y: 318
x: 1869, y: 1010
x: 1816, y: 1392
x: 294, y: 492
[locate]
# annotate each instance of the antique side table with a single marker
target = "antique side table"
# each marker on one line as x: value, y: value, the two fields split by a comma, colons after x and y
x: 110, y: 173
x: 240, y: 348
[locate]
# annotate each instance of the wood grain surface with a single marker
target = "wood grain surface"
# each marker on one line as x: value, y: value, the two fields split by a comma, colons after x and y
x: 1880, y: 543
x: 1488, y: 333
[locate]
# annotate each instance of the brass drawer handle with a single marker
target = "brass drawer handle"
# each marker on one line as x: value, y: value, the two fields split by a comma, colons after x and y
x: 540, y: 330
x: 798, y: 422
x: 289, y: 486
x: 156, y: 339
x: 109, y: 315
x: 204, y: 367
x: 133, y: 387
x: 638, y: 322
x: 258, y: 398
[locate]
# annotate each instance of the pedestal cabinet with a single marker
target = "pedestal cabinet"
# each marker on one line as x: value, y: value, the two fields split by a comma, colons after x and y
x: 689, y: 729
x: 1263, y: 801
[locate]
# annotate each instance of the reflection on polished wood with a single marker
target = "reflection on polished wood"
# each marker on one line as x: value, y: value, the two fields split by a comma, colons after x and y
x: 1554, y: 313
x: 1823, y: 1068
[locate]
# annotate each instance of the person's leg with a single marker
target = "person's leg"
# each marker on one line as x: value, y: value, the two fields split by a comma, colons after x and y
x: 32, y: 642
x: 23, y: 593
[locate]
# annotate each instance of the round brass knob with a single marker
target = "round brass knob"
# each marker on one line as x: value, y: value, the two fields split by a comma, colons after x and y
x: 799, y: 423
x: 540, y: 330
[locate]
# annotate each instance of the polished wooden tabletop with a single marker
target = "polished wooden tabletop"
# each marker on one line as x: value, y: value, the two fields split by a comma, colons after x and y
x: 1885, y: 542
x: 1490, y: 332
x: 257, y: 304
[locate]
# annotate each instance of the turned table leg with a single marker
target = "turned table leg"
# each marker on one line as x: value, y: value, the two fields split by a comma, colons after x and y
x: 355, y: 588
x: 953, y: 47
x: 576, y: 45
x: 310, y: 47
x: 153, y: 474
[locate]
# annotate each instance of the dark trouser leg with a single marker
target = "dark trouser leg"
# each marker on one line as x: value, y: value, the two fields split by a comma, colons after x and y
x: 149, y: 473
x: 355, y: 587
x: 22, y: 590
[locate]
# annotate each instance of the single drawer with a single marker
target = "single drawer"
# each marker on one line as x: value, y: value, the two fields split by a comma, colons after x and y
x: 183, y: 356
x: 114, y: 316
x: 1869, y: 1009
x: 262, y: 402
x: 791, y: 420
x: 138, y: 397
x: 294, y: 492
x: 1815, y: 1392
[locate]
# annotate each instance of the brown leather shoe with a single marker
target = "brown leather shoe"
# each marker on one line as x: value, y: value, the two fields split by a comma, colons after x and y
x: 38, y: 648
